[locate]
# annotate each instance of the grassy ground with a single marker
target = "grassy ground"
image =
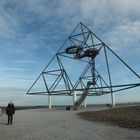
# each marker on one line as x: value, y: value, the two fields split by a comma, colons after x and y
x: 128, y: 117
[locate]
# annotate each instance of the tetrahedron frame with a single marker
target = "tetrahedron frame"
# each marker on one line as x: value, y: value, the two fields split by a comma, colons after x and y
x: 74, y: 66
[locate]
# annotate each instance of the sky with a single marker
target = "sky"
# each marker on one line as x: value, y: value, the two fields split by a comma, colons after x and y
x: 31, y: 31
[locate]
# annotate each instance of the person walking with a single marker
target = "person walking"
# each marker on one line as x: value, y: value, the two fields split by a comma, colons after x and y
x: 10, y: 111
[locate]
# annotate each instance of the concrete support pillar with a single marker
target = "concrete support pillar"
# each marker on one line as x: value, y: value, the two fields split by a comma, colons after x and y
x: 74, y: 97
x: 85, y: 103
x: 113, y: 99
x: 49, y: 102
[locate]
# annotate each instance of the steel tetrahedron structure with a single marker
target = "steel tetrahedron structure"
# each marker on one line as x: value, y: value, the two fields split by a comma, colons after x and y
x: 83, y: 65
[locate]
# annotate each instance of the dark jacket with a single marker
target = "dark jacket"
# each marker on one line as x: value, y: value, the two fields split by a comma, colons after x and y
x: 10, y: 109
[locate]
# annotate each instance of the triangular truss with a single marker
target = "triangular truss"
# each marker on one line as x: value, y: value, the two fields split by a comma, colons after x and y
x: 83, y: 58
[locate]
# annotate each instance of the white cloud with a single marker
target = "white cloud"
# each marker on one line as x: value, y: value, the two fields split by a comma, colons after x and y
x: 7, y: 26
x: 13, y: 69
x: 38, y: 7
x: 125, y: 34
x: 107, y: 7
x: 26, y: 62
x: 126, y: 6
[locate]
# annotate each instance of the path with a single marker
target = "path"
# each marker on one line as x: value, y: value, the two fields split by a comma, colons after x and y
x: 43, y: 124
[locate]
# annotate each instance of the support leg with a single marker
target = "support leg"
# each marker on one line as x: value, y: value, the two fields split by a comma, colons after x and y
x: 74, y: 99
x: 113, y: 99
x: 49, y: 102
x: 85, y: 103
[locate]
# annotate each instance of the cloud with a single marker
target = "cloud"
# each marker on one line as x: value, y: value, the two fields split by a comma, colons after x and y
x: 12, y: 69
x: 26, y: 62
x: 124, y: 36
x: 38, y: 7
x: 16, y: 26
x: 126, y: 6
x: 109, y: 7
x: 7, y: 26
x: 12, y: 89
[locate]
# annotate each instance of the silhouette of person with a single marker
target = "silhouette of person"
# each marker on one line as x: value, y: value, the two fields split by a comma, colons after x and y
x: 10, y: 111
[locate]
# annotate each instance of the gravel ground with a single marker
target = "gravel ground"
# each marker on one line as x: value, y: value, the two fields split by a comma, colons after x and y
x: 44, y: 124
